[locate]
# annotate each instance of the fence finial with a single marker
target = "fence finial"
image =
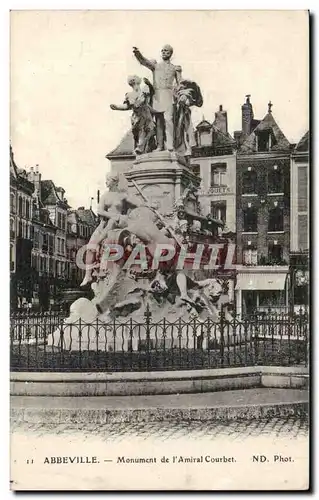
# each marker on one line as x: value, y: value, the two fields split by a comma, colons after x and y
x: 147, y: 313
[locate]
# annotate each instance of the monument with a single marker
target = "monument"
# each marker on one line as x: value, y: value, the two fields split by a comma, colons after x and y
x: 159, y: 210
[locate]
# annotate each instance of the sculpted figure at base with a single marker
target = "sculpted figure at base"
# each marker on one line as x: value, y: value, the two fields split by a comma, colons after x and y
x: 119, y: 211
x: 165, y: 75
x: 139, y: 100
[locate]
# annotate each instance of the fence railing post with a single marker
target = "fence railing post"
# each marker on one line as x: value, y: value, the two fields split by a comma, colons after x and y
x: 147, y: 316
x: 222, y: 332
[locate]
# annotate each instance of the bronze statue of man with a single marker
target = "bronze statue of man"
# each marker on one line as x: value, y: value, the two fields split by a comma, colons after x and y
x: 165, y: 74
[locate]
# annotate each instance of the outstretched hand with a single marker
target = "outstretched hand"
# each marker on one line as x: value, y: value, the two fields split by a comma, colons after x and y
x: 146, y: 80
x: 113, y: 106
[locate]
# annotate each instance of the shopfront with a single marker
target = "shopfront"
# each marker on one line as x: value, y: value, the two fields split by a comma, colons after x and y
x: 262, y: 288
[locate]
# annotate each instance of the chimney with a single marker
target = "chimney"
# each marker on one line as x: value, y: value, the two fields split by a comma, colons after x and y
x: 247, y: 115
x: 35, y: 177
x: 221, y: 120
x: 60, y: 192
x: 237, y: 137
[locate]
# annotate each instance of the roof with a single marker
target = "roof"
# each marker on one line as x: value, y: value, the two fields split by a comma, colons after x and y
x: 49, y: 194
x: 219, y: 139
x: 87, y: 216
x: 303, y: 144
x: 220, y: 142
x: 13, y: 167
x: 124, y: 148
x: 204, y: 124
x: 280, y: 143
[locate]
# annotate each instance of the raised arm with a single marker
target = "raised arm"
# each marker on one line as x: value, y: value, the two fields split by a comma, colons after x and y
x: 120, y: 107
x: 142, y: 60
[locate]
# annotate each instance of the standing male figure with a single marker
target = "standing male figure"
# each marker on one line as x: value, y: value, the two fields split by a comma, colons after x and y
x: 164, y: 76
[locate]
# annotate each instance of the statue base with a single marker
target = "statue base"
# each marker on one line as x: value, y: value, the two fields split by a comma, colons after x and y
x: 162, y: 177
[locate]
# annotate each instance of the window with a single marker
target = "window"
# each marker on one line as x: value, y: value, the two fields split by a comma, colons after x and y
x: 218, y: 174
x: 205, y: 138
x: 276, y: 219
x: 271, y: 298
x: 275, y: 254
x: 63, y: 246
x: 27, y: 209
x: 250, y: 257
x: 12, y: 203
x: 45, y: 243
x: 196, y: 170
x: 23, y: 207
x: 36, y: 239
x: 59, y: 222
x: 250, y: 220
x: 249, y: 182
x: 263, y: 141
x: 275, y: 180
x: 20, y: 206
x: 20, y: 229
x: 302, y: 189
x: 11, y: 258
x: 51, y: 244
x: 218, y: 210
x: 34, y: 262
x: 51, y: 269
x: 303, y: 242
x: 42, y: 264
x: 12, y: 228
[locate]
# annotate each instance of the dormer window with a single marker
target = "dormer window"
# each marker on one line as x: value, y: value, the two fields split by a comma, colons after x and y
x: 205, y: 138
x: 263, y: 141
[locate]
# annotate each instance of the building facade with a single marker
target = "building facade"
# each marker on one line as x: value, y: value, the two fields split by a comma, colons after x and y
x: 263, y: 213
x: 299, y: 228
x: 214, y: 161
x: 41, y: 263
x: 21, y: 214
x: 81, y: 225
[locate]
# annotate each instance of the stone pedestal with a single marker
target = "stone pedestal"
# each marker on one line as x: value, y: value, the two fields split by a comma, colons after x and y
x: 162, y: 177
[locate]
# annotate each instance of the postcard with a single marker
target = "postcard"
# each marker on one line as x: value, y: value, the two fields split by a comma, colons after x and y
x: 159, y: 250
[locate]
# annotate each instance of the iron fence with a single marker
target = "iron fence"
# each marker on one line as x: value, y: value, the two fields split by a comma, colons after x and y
x: 49, y: 343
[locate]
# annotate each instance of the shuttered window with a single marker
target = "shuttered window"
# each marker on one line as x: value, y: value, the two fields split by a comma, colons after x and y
x: 302, y: 189
x: 303, y: 232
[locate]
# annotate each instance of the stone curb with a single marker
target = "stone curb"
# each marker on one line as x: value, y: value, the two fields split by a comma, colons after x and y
x: 106, y: 416
x: 155, y: 383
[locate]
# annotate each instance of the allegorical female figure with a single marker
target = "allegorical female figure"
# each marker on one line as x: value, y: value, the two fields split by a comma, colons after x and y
x: 140, y: 101
x: 187, y: 94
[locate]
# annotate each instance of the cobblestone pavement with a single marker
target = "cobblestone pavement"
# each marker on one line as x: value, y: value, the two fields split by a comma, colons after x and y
x: 276, y: 428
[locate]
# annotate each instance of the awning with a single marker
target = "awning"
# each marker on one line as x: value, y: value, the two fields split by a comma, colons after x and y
x: 261, y: 281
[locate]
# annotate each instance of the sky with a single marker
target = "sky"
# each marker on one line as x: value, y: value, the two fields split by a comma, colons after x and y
x: 67, y: 67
